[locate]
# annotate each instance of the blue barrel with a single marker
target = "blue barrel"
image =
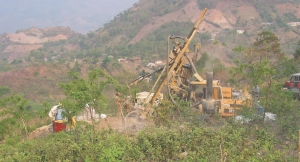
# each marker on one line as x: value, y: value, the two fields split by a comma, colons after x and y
x: 260, y: 110
x: 59, y: 115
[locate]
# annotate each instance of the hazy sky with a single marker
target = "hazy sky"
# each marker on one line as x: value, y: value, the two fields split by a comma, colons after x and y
x: 80, y: 15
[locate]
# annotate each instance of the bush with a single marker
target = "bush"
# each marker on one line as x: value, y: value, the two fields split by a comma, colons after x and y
x: 235, y: 142
x: 4, y: 91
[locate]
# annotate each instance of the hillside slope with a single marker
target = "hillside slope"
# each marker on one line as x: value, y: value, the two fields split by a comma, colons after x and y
x: 141, y: 32
x: 80, y: 16
x: 18, y: 45
x: 143, y: 21
x: 146, y: 19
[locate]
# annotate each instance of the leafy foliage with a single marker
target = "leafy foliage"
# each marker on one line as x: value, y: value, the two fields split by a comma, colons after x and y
x: 265, y: 11
x: 202, y: 61
x: 4, y: 91
x: 80, y: 92
x: 205, y: 37
x: 239, y: 49
x: 14, y: 109
x: 153, y: 144
x: 38, y: 54
x: 286, y: 108
x: 210, y: 64
x: 206, y: 4
x: 260, y: 61
x: 297, y: 52
x: 203, y: 142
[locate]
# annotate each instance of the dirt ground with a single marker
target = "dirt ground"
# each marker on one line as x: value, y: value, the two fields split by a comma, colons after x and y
x: 41, y: 132
x: 112, y: 122
x: 115, y: 123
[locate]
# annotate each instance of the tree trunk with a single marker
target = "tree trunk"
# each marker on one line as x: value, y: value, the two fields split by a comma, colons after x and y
x: 24, y: 125
x: 92, y: 117
x: 267, y: 99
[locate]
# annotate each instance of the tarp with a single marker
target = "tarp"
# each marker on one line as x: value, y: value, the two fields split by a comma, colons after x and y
x: 52, y: 112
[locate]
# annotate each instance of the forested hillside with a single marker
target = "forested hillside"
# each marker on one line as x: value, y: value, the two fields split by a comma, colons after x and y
x: 142, y: 31
x: 245, y: 43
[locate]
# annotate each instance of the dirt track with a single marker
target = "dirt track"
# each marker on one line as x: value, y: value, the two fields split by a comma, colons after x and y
x: 116, y: 123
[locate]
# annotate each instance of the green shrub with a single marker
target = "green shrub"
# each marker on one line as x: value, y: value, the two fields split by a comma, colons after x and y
x: 4, y: 91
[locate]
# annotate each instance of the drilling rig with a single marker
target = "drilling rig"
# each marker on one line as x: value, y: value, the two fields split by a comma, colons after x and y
x: 182, y: 80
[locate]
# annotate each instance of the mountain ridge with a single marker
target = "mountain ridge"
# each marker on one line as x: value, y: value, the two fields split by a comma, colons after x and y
x: 141, y: 32
x: 80, y: 16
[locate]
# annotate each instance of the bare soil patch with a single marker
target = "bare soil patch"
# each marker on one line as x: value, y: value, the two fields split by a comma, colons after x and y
x: 247, y: 12
x: 21, y: 37
x: 31, y: 80
x: 32, y: 39
x: 288, y: 7
x: 115, y: 123
x: 20, y: 51
x: 192, y: 13
x: 215, y: 16
x: 41, y: 132
x: 111, y: 122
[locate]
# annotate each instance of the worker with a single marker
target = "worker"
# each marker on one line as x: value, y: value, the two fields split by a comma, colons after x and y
x: 72, y: 123
x: 256, y: 92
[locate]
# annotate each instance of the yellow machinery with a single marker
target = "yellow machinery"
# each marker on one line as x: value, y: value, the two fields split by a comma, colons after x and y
x: 181, y: 78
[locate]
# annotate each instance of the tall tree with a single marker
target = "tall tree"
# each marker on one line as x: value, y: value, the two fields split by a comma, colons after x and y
x: 202, y: 61
x: 260, y: 61
x: 81, y: 91
x: 266, y: 47
x: 297, y: 52
x: 16, y: 105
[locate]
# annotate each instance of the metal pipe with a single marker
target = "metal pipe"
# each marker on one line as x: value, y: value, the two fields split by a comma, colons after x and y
x: 209, y: 82
x: 180, y: 55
